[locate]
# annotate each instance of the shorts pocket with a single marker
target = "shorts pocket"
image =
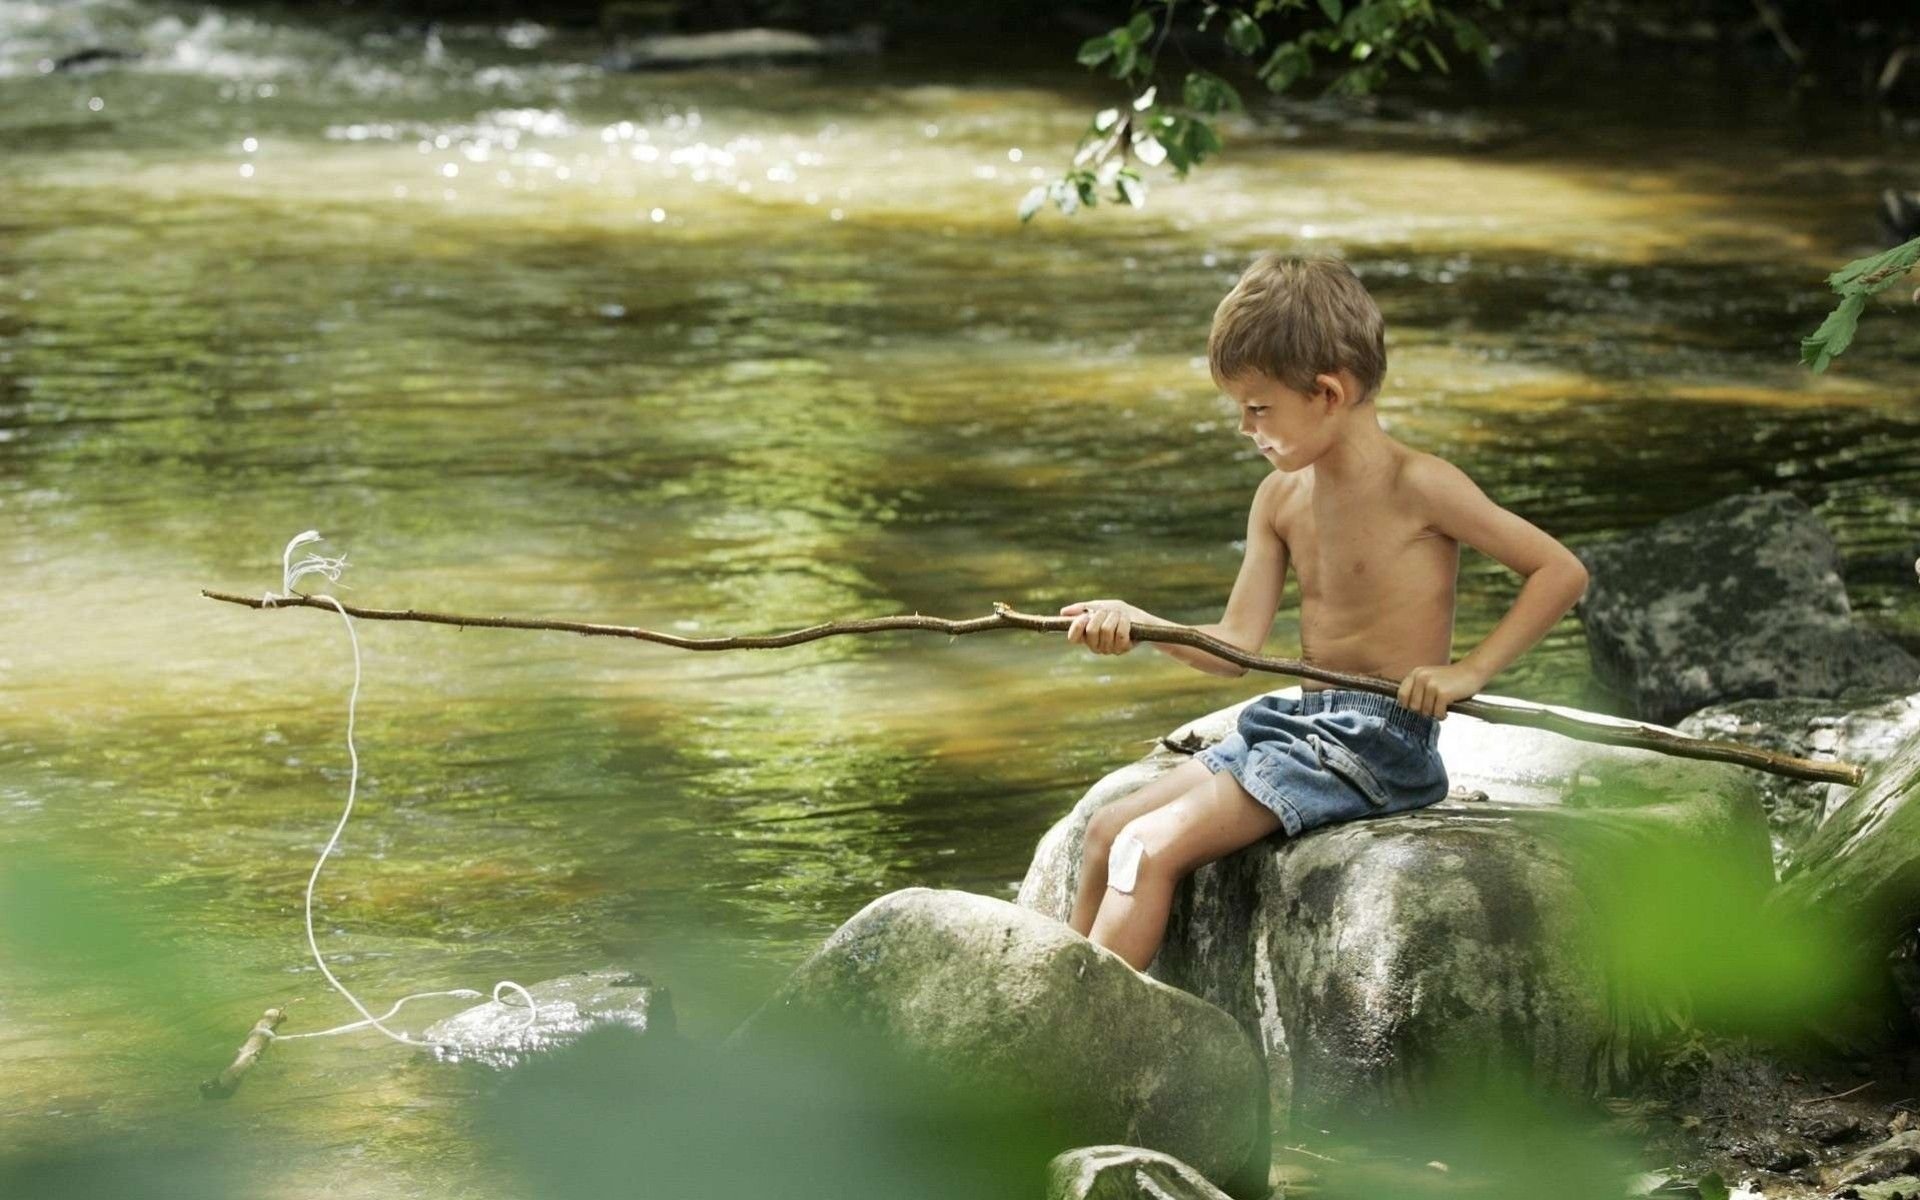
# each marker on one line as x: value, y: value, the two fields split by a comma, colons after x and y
x: 1348, y: 765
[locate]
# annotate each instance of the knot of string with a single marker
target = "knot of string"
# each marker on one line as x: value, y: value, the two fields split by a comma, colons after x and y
x: 292, y: 572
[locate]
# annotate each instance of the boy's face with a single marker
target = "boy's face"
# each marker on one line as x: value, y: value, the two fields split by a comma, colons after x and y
x: 1291, y: 428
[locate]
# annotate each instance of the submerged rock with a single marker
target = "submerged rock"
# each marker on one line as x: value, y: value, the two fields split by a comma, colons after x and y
x: 680, y: 52
x: 1125, y: 1173
x: 496, y: 1033
x: 1741, y: 599
x: 1807, y: 727
x: 93, y: 57
x: 1368, y: 956
x: 1000, y: 1001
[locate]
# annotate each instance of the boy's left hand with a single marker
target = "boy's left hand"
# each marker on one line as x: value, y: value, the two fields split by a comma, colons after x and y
x: 1430, y: 689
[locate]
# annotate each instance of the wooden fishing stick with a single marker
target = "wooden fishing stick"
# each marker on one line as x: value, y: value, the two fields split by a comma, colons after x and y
x: 1641, y: 737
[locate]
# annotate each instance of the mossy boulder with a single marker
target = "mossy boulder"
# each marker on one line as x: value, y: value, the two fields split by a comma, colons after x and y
x: 1739, y: 600
x: 998, y: 1001
x: 1366, y: 956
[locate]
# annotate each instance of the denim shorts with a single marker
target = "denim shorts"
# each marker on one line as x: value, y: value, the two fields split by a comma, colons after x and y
x: 1332, y: 755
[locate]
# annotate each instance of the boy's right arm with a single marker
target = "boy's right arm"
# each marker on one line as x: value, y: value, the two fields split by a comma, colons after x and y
x: 1251, y: 606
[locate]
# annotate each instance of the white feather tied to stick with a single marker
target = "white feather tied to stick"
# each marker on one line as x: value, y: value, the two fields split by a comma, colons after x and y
x: 313, y: 564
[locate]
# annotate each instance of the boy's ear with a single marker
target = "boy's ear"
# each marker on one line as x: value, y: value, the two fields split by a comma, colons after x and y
x: 1332, y: 389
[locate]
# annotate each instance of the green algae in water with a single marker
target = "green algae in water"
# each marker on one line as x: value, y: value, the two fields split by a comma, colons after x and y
x: 529, y: 395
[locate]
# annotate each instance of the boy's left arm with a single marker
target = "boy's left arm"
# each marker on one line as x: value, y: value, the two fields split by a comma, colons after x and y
x: 1555, y: 581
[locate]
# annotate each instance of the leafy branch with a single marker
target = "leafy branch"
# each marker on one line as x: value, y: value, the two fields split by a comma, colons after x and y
x: 1358, y: 41
x: 1856, y: 282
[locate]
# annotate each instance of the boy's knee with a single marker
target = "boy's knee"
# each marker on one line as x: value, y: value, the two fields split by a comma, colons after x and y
x: 1102, y: 828
x: 1124, y: 860
x: 1142, y: 848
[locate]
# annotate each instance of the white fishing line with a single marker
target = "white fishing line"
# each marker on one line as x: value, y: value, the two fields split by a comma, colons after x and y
x: 291, y: 573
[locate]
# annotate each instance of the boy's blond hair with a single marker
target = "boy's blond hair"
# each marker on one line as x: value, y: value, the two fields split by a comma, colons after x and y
x: 1294, y: 318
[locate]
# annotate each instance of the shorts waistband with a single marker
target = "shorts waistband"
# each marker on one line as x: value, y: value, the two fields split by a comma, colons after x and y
x: 1398, y: 716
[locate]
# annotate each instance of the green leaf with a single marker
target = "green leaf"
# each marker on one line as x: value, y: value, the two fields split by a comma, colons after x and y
x: 1205, y: 140
x: 1407, y: 60
x: 1208, y: 93
x: 1439, y: 59
x: 1032, y: 202
x: 1333, y: 9
x: 1141, y: 27
x: 1835, y: 333
x: 1095, y: 51
x: 1244, y: 35
x: 1289, y: 64
x: 1890, y: 264
x: 1131, y: 189
x: 1711, y: 1186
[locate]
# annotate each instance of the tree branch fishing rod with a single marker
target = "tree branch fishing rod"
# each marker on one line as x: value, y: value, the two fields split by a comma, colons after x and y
x: 1004, y: 617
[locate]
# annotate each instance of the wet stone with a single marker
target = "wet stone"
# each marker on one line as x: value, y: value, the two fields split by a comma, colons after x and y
x: 1861, y: 731
x: 1898, y: 1156
x: 496, y: 1034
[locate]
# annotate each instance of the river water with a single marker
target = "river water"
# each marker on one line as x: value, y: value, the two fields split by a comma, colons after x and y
x: 723, y: 352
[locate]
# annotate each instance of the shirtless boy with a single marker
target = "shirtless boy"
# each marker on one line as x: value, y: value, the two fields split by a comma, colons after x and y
x: 1373, y: 528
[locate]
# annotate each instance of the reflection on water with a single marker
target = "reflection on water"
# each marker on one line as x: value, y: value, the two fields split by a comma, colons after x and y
x: 736, y: 352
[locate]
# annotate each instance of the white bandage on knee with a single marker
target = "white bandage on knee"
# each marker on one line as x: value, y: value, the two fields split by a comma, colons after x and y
x: 1123, y: 863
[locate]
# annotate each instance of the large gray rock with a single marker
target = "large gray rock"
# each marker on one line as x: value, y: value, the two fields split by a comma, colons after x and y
x: 1125, y: 1173
x: 497, y: 1034
x: 1807, y: 727
x: 1739, y: 600
x: 998, y: 1000
x: 1368, y: 956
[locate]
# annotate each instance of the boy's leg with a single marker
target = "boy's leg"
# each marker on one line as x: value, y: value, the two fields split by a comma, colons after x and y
x: 1105, y: 825
x: 1210, y: 821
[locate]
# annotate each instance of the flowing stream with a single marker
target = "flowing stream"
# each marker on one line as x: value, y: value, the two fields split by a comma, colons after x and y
x: 738, y: 351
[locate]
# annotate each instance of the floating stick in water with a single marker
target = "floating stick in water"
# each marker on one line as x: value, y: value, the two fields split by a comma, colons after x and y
x: 227, y: 1082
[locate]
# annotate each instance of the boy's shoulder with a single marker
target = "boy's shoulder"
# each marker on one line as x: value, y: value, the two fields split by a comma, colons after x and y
x: 1424, y: 476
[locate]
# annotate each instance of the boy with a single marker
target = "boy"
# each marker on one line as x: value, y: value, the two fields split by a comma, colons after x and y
x: 1373, y: 529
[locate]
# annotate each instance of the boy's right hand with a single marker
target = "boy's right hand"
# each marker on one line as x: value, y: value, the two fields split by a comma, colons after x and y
x: 1104, y: 625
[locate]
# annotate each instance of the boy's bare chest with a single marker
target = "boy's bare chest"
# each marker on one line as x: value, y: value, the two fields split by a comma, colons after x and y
x: 1361, y: 548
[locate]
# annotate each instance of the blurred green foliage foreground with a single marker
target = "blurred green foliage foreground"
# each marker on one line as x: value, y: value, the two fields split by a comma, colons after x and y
x: 840, y: 1113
